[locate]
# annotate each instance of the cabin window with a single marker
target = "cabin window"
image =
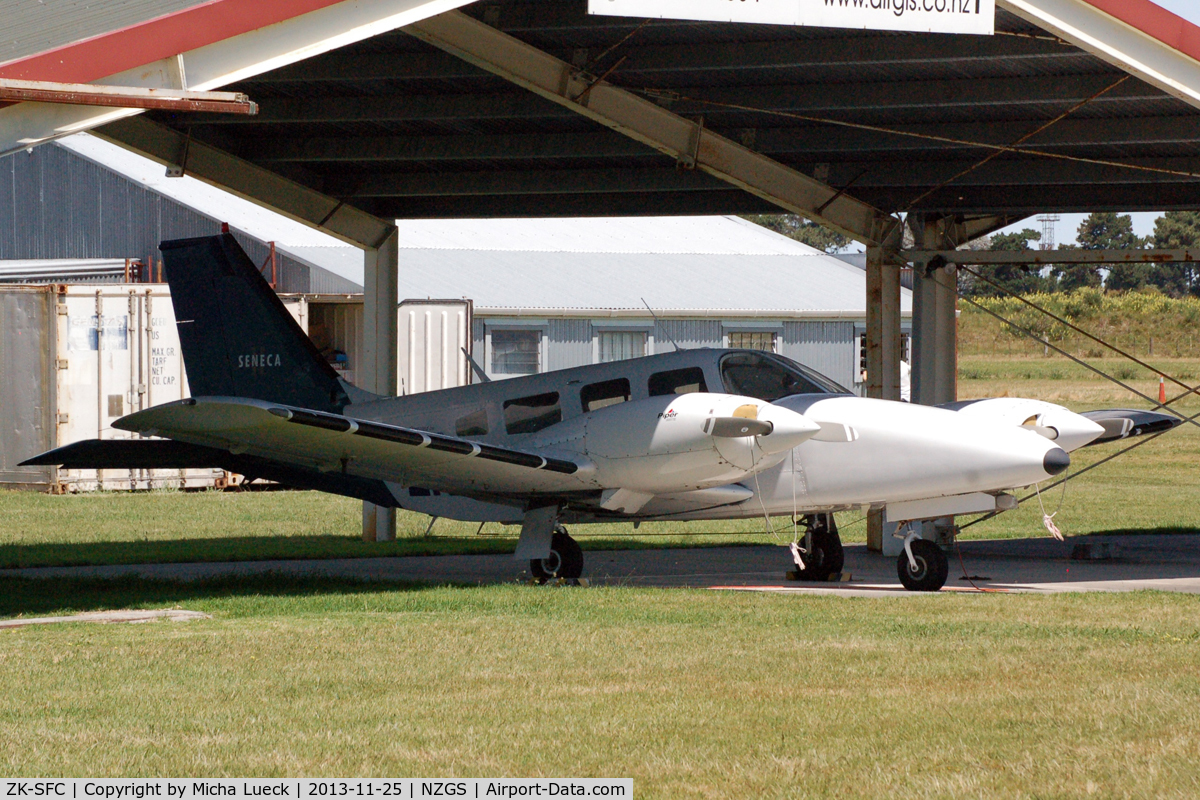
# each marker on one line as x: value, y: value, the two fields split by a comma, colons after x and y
x: 621, y: 345
x: 752, y: 340
x: 531, y: 414
x: 473, y: 424
x: 516, y: 352
x: 677, y: 381
x: 772, y: 377
x: 606, y: 393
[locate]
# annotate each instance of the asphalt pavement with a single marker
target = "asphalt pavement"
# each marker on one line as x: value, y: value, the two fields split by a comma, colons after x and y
x: 1082, y: 564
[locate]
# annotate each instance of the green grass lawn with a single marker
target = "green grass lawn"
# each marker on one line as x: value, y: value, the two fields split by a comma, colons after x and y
x: 690, y: 693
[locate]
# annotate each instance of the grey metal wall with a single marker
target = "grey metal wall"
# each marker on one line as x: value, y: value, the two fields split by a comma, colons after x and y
x: 570, y: 343
x: 827, y: 347
x: 687, y: 333
x: 56, y: 204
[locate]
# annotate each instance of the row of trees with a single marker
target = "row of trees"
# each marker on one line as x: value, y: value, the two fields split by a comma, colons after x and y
x: 1101, y: 231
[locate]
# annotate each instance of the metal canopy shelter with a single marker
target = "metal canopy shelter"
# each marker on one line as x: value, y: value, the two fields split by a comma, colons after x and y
x: 534, y: 108
x: 401, y: 128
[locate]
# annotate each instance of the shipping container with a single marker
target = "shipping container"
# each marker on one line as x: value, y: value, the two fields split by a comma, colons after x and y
x: 75, y: 358
x: 432, y: 335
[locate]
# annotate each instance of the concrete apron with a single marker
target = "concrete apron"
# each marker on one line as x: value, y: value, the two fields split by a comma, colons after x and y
x: 1111, y: 563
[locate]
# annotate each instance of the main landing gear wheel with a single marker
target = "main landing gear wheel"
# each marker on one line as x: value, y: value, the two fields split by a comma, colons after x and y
x: 825, y: 556
x: 565, y: 560
x: 932, y: 567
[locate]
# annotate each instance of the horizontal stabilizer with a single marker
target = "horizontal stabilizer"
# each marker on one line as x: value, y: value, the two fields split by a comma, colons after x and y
x: 1121, y: 423
x: 129, y: 454
x: 166, y: 454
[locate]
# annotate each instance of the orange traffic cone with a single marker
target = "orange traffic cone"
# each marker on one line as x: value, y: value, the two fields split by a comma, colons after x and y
x: 1162, y: 389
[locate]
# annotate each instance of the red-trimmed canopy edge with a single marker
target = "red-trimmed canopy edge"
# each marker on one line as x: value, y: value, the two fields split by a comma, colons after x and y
x: 108, y: 53
x: 1154, y: 21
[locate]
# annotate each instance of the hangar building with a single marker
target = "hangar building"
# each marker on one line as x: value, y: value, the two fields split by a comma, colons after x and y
x: 555, y: 293
x: 85, y: 199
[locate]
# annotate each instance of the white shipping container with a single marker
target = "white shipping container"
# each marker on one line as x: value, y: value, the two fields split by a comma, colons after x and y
x: 75, y: 358
x: 433, y: 335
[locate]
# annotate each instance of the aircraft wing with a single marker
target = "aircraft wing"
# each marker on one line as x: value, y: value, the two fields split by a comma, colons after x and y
x: 1122, y: 423
x: 335, y: 444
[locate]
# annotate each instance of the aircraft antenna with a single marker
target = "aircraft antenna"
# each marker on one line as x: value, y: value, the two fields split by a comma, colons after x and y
x: 658, y: 323
x: 483, y: 378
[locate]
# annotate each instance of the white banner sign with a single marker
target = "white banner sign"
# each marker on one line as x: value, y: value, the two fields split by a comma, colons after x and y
x: 926, y: 16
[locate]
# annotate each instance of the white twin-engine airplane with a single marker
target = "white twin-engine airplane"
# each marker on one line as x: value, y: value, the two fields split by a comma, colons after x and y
x: 693, y: 434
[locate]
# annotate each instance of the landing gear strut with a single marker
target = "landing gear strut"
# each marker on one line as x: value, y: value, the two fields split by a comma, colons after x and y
x: 565, y: 560
x: 922, y: 566
x: 822, y: 549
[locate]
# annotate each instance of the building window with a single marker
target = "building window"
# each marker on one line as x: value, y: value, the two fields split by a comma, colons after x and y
x: 606, y: 393
x: 752, y: 340
x: 620, y: 345
x: 516, y: 352
x: 531, y: 414
x: 677, y: 381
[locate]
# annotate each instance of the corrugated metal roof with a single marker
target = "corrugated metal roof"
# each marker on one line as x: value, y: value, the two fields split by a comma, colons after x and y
x: 702, y: 235
x: 673, y: 283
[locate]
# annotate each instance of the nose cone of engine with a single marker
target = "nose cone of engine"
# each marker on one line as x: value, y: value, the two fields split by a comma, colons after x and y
x: 1056, y: 461
x: 788, y: 429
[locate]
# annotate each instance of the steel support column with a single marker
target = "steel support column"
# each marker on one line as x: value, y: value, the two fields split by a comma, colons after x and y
x: 381, y: 284
x: 934, y: 321
x: 883, y: 347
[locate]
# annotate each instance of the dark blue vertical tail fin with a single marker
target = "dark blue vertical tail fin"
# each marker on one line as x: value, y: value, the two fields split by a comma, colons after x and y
x: 238, y: 340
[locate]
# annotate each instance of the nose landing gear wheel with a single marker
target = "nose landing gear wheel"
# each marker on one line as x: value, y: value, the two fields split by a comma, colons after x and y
x: 565, y: 560
x: 932, y: 567
x: 825, y: 557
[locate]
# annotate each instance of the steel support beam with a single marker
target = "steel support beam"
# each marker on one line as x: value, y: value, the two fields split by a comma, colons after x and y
x: 249, y: 181
x: 87, y: 94
x: 934, y: 323
x: 883, y: 348
x: 381, y: 282
x: 1047, y: 257
x: 686, y: 141
x: 883, y: 323
x: 1025, y: 201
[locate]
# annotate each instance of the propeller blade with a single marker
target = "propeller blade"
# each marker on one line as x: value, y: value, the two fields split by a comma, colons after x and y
x: 740, y: 427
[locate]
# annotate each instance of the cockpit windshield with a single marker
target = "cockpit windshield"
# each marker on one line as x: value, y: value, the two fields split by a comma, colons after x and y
x: 770, y: 377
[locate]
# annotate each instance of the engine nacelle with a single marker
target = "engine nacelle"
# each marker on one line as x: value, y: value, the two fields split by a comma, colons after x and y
x: 687, y: 442
x: 1064, y: 427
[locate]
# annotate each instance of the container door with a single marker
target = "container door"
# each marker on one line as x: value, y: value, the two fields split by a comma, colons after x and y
x: 27, y: 360
x: 432, y: 337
